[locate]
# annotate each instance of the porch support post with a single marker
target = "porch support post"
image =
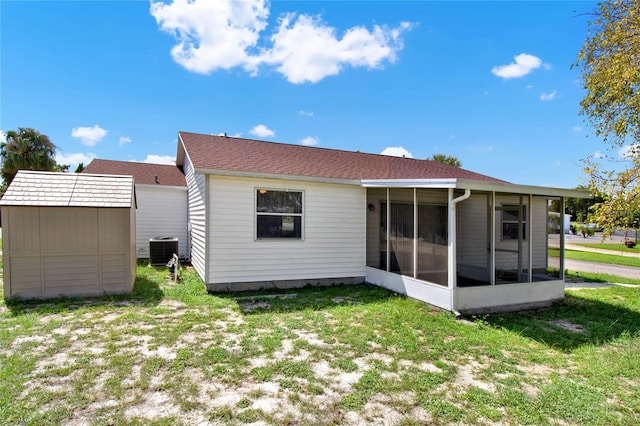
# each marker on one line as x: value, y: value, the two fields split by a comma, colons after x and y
x: 520, y: 237
x: 492, y: 239
x: 530, y: 234
x: 451, y: 253
x: 451, y: 246
x: 562, y: 238
x: 388, y: 231
x: 415, y: 232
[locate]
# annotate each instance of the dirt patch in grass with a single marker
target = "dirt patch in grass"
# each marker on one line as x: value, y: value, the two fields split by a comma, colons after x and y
x: 568, y: 325
x: 351, y: 356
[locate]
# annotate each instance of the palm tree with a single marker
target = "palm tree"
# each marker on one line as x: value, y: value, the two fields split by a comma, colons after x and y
x: 446, y: 159
x: 26, y: 149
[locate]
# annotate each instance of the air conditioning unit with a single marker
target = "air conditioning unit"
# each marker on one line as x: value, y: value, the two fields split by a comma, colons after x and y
x: 162, y: 249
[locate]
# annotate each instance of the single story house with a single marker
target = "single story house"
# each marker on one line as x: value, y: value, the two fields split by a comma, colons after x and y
x: 67, y: 234
x: 265, y: 214
x: 161, y: 198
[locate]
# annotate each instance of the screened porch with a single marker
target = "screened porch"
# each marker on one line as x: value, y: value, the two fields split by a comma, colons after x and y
x: 464, y: 247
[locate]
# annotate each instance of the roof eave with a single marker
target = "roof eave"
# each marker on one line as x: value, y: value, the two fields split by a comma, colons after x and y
x: 504, y: 187
x: 181, y: 151
x: 260, y: 175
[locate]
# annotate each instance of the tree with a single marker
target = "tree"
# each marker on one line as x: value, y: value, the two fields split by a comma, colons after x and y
x: 610, y: 69
x: 446, y: 159
x: 26, y: 149
x: 581, y: 209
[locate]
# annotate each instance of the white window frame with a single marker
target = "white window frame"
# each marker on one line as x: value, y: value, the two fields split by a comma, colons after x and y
x: 522, y: 231
x: 257, y: 213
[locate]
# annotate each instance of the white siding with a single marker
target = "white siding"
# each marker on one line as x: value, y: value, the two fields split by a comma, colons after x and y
x: 162, y: 211
x: 334, y: 233
x: 197, y: 216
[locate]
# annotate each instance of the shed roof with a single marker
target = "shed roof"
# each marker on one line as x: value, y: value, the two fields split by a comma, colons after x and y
x: 31, y: 188
x: 143, y: 173
x: 210, y: 153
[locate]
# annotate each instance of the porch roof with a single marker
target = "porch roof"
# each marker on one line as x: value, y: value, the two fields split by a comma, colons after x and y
x: 474, y: 185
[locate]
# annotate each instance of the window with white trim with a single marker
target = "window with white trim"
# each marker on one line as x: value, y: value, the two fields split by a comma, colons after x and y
x: 278, y: 214
x: 510, y: 222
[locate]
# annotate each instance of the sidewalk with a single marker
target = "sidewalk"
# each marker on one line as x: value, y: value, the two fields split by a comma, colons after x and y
x: 570, y: 246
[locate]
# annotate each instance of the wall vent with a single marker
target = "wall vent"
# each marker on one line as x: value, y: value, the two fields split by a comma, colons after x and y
x: 162, y: 249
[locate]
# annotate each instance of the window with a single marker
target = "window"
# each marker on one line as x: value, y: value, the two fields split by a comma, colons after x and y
x: 510, y: 222
x: 278, y: 214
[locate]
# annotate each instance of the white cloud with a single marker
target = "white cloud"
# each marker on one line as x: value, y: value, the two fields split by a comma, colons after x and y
x: 598, y: 154
x: 628, y: 152
x: 213, y: 35
x: 160, y: 159
x: 523, y: 65
x: 3, y: 137
x: 124, y: 140
x: 577, y: 129
x: 548, y: 96
x: 225, y: 34
x: 89, y: 136
x: 74, y: 159
x: 305, y: 49
x: 529, y: 86
x: 310, y: 141
x: 262, y: 131
x: 396, y: 151
x: 305, y: 113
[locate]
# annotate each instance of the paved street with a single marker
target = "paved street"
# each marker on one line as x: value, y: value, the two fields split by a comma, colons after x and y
x: 572, y: 243
x: 602, y: 268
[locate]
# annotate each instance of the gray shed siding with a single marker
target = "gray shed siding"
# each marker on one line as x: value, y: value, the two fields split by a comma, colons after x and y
x: 68, y: 234
x: 67, y: 251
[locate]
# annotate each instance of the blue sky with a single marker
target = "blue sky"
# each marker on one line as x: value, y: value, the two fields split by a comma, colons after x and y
x: 488, y: 82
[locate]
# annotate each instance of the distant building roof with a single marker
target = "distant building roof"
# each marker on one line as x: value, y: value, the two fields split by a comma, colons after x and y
x: 223, y: 153
x: 51, y: 189
x: 143, y: 173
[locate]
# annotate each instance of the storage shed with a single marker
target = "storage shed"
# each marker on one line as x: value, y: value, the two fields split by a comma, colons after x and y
x: 68, y: 234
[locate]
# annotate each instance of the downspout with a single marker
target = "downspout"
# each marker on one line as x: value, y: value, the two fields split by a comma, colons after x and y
x: 452, y: 243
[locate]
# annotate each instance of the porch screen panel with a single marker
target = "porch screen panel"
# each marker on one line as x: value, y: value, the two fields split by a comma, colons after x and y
x: 512, y: 239
x: 432, y: 243
x: 474, y: 240
x: 401, y: 231
x: 546, y: 245
x: 376, y: 228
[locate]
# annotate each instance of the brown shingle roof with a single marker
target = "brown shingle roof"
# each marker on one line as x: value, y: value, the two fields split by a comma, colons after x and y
x: 144, y: 173
x: 51, y: 189
x: 224, y: 153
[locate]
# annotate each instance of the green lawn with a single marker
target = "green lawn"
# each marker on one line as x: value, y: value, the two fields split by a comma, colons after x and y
x: 596, y: 257
x: 600, y: 278
x: 611, y: 246
x: 173, y: 354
